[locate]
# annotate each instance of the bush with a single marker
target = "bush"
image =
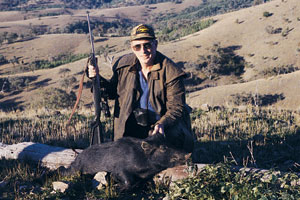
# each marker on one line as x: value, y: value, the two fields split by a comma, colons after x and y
x: 68, y: 82
x: 55, y: 98
x: 17, y: 83
x: 283, y: 69
x: 220, y: 182
x: 64, y: 71
x: 286, y: 31
x: 272, y: 30
x: 256, y: 99
x: 267, y: 14
x: 222, y: 61
x: 3, y: 60
x: 56, y: 61
x: 176, y: 30
x: 121, y: 27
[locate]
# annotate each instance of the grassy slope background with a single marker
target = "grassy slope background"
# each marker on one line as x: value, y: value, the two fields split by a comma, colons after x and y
x: 244, y: 29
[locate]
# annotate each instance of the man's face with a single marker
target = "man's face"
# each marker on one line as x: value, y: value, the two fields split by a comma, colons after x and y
x: 145, y: 50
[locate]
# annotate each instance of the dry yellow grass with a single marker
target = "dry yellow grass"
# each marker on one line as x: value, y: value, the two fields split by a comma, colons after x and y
x: 288, y: 85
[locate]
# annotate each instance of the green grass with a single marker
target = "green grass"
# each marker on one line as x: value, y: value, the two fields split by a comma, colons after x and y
x: 59, y: 60
x: 220, y: 182
x: 24, y: 180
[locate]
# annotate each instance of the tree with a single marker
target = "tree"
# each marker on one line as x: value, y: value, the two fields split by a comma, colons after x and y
x: 68, y: 82
x: 1, y: 40
x: 57, y: 98
x: 64, y: 71
x: 3, y: 60
x: 11, y: 37
x: 3, y: 37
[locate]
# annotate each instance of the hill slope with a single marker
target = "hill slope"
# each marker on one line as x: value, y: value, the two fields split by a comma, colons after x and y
x: 247, y: 31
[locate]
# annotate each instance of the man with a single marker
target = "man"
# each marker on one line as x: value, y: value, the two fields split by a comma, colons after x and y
x: 149, y: 93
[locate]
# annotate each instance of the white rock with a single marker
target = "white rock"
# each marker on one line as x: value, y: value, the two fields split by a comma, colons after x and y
x: 99, y: 180
x: 60, y: 186
x: 205, y: 107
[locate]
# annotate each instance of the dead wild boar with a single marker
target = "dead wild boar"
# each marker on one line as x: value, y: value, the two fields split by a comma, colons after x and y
x: 130, y: 160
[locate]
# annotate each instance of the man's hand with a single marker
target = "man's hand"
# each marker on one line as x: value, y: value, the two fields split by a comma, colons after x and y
x: 91, y: 71
x: 158, y: 128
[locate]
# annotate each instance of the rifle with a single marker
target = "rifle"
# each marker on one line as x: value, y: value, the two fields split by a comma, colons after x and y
x: 97, y: 129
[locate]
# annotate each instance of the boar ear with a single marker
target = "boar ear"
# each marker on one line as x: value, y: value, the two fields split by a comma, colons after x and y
x: 177, y: 158
x: 162, y: 148
x: 148, y: 148
x: 187, y: 156
x: 174, y: 159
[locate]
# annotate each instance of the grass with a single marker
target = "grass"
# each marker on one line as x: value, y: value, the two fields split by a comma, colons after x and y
x: 249, y: 137
x: 24, y: 180
x: 220, y: 182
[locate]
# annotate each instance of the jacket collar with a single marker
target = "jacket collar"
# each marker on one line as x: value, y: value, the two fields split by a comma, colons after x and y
x: 128, y: 60
x: 157, y: 62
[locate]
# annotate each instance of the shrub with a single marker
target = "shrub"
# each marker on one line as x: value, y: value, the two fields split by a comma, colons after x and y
x: 286, y: 31
x: 267, y: 14
x: 283, y: 69
x: 121, y: 27
x: 256, y: 99
x: 55, y: 98
x: 175, y: 30
x: 11, y: 37
x: 64, y: 71
x: 56, y: 61
x: 257, y: 2
x: 222, y: 61
x: 16, y: 83
x: 3, y: 60
x: 221, y: 182
x: 68, y: 82
x: 272, y: 30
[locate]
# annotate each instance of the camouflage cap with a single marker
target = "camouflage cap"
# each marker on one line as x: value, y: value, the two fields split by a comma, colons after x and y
x: 142, y: 31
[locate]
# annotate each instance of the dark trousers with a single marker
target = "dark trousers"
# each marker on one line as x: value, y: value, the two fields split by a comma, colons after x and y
x: 176, y: 134
x: 132, y: 129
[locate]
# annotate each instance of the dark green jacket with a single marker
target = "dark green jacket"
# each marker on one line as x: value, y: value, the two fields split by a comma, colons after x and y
x: 166, y: 93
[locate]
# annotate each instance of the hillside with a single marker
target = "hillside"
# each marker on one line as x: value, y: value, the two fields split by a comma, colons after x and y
x: 265, y: 53
x: 27, y: 5
x: 247, y: 32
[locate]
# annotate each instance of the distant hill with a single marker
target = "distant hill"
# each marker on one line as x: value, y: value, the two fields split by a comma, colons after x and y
x: 28, y: 5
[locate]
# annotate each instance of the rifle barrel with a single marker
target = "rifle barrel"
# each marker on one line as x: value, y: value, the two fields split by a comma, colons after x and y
x: 91, y: 35
x: 97, y: 135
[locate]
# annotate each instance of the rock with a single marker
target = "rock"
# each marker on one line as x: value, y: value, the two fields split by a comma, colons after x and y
x: 99, y: 180
x: 175, y: 173
x: 205, y: 107
x: 60, y: 186
x: 166, y: 198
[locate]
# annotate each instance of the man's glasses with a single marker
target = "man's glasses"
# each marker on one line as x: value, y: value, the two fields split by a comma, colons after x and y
x: 138, y: 47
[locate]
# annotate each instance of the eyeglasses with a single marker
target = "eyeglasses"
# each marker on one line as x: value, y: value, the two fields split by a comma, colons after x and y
x: 138, y: 47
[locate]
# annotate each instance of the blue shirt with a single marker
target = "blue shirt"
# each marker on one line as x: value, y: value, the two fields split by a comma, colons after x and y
x: 144, y: 100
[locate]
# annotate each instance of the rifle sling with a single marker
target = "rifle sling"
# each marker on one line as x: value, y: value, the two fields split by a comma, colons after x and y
x: 78, y: 94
